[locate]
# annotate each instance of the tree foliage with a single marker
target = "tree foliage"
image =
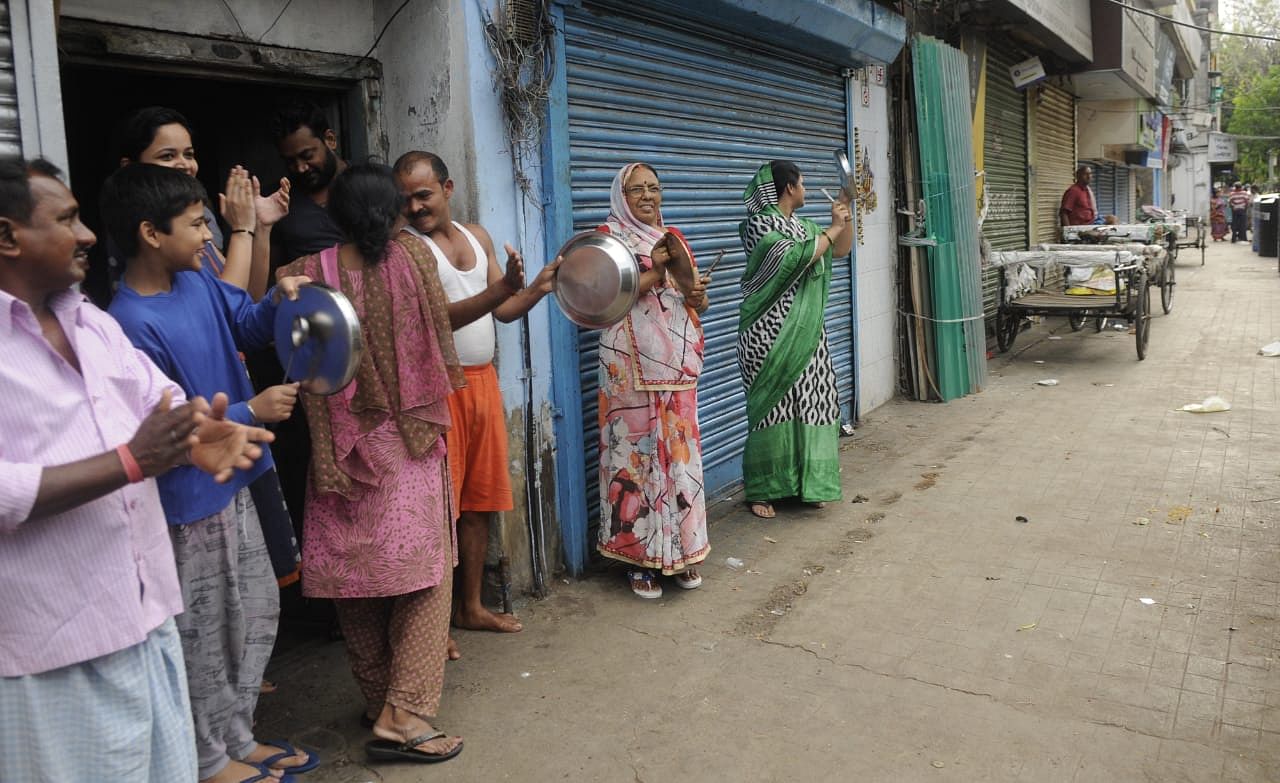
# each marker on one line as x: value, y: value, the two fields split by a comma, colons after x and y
x: 1251, y: 84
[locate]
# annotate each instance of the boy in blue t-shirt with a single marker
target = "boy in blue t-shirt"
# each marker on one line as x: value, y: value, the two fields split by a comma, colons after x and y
x: 192, y: 325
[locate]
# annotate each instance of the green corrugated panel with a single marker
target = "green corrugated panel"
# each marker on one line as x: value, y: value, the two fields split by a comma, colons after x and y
x: 945, y: 132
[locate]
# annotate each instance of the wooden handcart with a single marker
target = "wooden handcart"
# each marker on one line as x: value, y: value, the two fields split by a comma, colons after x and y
x: 1023, y: 293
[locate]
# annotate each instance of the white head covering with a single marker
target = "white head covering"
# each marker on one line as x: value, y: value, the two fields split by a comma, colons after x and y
x: 622, y: 221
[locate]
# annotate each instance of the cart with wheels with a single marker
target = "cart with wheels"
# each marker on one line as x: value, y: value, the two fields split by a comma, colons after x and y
x: 1023, y: 294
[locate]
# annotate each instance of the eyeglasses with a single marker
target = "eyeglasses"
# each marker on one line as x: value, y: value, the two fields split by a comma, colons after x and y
x: 636, y: 191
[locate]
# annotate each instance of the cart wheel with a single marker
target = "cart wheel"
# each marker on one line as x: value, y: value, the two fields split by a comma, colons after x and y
x: 1076, y: 321
x: 1166, y: 288
x: 1142, y: 319
x: 1098, y: 321
x: 1006, y: 329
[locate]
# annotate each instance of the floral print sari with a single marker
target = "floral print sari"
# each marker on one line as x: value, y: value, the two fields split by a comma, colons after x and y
x: 652, y: 500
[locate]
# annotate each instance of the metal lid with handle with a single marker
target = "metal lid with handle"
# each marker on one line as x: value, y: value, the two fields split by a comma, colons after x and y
x: 318, y: 339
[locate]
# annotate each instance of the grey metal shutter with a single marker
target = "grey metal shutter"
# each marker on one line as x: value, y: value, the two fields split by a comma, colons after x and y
x: 10, y: 134
x: 1004, y: 155
x: 1053, y: 157
x: 1124, y: 194
x: 705, y: 112
x: 1104, y: 186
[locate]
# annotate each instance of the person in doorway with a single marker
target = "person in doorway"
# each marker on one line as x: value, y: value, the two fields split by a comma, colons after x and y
x: 1218, y: 209
x: 379, y: 533
x: 793, y: 408
x: 1238, y: 199
x: 1079, y: 207
x: 650, y: 448
x: 88, y: 588
x: 478, y: 292
x: 192, y: 326
x: 162, y: 136
x: 309, y: 149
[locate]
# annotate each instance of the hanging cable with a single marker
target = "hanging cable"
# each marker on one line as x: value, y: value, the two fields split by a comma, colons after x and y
x: 1175, y: 22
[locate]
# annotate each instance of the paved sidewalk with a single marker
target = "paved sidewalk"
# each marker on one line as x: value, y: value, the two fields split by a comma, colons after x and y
x: 1126, y: 631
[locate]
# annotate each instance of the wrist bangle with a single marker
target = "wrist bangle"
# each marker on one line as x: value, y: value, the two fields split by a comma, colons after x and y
x: 248, y: 231
x: 132, y: 470
x: 252, y: 415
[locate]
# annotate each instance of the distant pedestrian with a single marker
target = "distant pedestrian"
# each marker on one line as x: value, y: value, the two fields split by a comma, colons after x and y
x: 1218, y: 209
x: 1239, y: 199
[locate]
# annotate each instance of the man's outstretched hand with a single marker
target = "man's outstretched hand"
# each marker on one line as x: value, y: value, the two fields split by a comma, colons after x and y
x: 223, y: 446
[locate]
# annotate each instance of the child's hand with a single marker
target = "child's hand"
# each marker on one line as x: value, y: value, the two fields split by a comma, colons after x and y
x: 275, y: 403
x: 288, y: 287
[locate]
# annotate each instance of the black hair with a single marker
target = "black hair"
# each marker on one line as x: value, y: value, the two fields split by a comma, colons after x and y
x: 365, y: 202
x: 405, y: 163
x: 298, y: 113
x: 138, y: 130
x: 142, y: 192
x: 785, y: 174
x: 16, y: 201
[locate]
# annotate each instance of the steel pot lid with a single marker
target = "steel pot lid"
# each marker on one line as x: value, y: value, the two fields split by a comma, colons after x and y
x: 598, y: 281
x: 318, y: 339
x: 845, y: 173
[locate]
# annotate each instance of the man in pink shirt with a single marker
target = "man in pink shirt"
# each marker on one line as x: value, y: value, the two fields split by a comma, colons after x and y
x: 92, y: 683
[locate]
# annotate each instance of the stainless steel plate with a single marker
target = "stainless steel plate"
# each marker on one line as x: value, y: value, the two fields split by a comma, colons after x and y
x: 844, y: 171
x: 318, y: 339
x: 598, y: 281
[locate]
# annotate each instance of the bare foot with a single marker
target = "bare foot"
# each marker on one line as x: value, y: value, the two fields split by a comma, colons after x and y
x: 481, y: 619
x: 400, y: 725
x: 265, y: 751
x: 453, y: 653
x: 762, y: 509
x: 816, y: 504
x: 237, y: 771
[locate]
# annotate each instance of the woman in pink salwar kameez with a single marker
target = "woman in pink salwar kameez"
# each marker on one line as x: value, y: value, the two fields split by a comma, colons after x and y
x: 378, y: 534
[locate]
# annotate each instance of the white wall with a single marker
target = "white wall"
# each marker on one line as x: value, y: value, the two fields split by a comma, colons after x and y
x: 337, y: 26
x: 877, y: 261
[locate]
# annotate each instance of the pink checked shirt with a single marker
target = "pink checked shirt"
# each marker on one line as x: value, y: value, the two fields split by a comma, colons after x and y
x: 98, y: 578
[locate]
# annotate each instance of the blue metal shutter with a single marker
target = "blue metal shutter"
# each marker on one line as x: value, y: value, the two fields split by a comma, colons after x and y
x: 705, y: 112
x: 1104, y: 186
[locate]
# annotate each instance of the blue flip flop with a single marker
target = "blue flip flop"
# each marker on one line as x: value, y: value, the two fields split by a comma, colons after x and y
x: 264, y: 775
x: 286, y: 751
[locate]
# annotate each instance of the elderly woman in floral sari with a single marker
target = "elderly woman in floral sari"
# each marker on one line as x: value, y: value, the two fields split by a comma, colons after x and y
x: 653, y: 504
x: 793, y: 409
x: 378, y: 522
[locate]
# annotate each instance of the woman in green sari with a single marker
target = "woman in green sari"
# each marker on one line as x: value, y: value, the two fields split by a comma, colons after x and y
x: 793, y: 409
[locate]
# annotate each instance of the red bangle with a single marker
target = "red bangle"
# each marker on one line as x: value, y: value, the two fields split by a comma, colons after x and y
x: 132, y: 470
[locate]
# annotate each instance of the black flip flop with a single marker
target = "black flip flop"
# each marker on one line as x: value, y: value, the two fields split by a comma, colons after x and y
x: 390, y: 750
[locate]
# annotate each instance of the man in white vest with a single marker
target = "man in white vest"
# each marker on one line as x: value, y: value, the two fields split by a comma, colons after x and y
x: 478, y: 292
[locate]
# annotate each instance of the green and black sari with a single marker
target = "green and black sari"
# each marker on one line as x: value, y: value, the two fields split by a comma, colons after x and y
x: 793, y: 407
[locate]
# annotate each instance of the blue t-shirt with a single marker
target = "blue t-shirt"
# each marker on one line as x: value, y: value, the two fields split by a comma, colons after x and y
x: 193, y: 333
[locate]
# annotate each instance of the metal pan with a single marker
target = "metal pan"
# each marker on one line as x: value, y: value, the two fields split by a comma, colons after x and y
x: 318, y: 339
x: 598, y: 281
x: 844, y: 171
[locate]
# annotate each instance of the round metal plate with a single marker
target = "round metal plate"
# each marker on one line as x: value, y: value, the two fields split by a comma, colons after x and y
x: 844, y: 172
x: 598, y: 281
x: 318, y: 339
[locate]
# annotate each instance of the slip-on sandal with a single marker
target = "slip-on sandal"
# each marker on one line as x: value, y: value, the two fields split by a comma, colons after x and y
x: 390, y: 750
x: 287, y: 750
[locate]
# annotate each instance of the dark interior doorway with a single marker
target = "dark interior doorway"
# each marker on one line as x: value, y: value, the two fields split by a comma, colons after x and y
x: 229, y: 121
